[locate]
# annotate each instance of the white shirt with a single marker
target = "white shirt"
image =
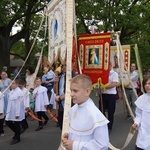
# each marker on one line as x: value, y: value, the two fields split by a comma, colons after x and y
x: 50, y: 75
x: 134, y: 78
x: 15, y: 105
x: 26, y: 97
x: 41, y: 98
x: 113, y: 77
x: 88, y: 127
x: 142, y: 119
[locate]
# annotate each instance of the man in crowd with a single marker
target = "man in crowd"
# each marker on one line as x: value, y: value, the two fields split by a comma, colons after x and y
x: 109, y: 96
x: 131, y: 96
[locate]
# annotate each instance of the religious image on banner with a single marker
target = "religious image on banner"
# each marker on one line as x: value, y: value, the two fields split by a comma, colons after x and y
x: 94, y: 54
x: 56, y: 13
x: 121, y: 60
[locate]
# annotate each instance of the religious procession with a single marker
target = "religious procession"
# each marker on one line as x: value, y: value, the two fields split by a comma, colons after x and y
x: 86, y: 91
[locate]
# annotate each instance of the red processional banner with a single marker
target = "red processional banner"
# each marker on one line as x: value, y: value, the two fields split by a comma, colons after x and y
x: 94, y: 55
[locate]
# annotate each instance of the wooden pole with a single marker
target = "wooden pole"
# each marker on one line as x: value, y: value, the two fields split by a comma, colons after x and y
x: 69, y: 43
x: 101, y: 99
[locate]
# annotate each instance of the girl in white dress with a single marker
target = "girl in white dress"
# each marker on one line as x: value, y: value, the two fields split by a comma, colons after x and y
x: 141, y: 121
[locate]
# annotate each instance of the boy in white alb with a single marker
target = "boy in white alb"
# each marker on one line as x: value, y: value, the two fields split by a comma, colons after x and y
x: 1, y: 114
x: 141, y: 121
x: 88, y: 126
x: 14, y: 111
x: 41, y: 102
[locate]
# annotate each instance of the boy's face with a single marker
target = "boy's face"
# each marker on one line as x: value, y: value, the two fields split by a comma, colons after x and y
x: 147, y: 86
x: 14, y: 85
x: 21, y: 86
x: 78, y: 94
x: 37, y: 82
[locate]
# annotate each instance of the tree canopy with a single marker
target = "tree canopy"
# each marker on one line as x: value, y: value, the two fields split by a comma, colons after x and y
x: 131, y: 18
x: 17, y: 13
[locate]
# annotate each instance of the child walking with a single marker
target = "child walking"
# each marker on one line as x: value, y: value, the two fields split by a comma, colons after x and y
x: 88, y: 126
x: 141, y: 121
x: 41, y: 102
x: 14, y: 111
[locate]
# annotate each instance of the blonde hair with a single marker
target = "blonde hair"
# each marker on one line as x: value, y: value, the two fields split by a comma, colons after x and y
x: 83, y: 79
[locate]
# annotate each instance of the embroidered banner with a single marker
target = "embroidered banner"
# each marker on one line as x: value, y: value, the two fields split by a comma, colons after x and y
x: 122, y: 58
x: 56, y: 12
x: 94, y: 54
x: 61, y: 45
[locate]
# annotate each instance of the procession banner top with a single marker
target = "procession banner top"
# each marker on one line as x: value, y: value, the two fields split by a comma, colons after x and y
x: 94, y: 54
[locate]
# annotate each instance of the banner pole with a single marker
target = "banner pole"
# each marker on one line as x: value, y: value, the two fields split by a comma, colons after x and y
x: 138, y: 60
x: 69, y: 41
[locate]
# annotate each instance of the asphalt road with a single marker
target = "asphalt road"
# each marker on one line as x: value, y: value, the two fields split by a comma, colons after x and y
x: 49, y: 137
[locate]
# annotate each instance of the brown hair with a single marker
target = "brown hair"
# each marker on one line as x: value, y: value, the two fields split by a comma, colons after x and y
x: 84, y: 79
x: 38, y: 78
x: 17, y: 81
x: 144, y: 82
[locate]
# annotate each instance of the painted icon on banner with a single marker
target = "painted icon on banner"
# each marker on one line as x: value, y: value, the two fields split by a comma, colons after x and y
x: 55, y: 28
x: 93, y: 56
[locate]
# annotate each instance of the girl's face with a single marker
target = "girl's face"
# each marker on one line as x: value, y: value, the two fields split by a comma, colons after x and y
x: 147, y: 86
x: 3, y: 75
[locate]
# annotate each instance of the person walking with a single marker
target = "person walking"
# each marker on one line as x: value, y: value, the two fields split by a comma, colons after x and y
x: 141, y: 121
x: 15, y: 114
x: 131, y: 97
x: 41, y: 102
x: 109, y: 96
x: 87, y: 125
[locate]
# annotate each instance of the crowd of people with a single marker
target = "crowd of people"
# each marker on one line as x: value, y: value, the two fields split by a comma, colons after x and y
x: 19, y: 96
x: 95, y: 124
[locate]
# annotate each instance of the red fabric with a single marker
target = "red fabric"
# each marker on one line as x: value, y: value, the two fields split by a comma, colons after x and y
x: 74, y: 56
x: 98, y: 72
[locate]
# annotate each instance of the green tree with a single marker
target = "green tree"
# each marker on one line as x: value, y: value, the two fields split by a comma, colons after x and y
x: 128, y: 17
x: 17, y: 13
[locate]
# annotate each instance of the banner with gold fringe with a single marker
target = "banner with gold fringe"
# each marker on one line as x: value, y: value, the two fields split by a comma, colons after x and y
x: 60, y: 45
x: 94, y: 54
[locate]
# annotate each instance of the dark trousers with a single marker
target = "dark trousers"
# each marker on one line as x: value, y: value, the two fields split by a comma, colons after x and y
x: 60, y: 118
x: 109, y: 104
x: 1, y: 125
x: 49, y: 92
x: 137, y: 148
x: 24, y: 123
x: 15, y: 127
x: 41, y: 114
